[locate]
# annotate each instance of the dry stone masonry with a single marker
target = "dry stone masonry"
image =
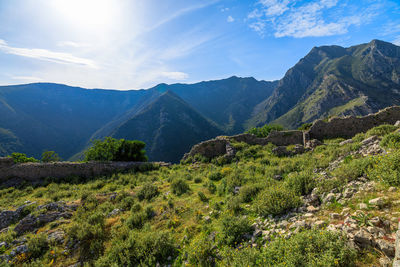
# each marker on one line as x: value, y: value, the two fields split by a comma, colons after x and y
x: 346, y: 127
x: 34, y: 172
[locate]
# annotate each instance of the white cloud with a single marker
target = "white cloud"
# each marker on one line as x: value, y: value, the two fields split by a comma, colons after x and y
x: 47, y: 55
x: 230, y: 19
x: 72, y: 44
x: 302, y: 19
x: 175, y: 75
x: 27, y: 78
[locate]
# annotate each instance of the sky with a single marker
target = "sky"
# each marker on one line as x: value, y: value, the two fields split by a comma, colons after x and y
x: 135, y: 44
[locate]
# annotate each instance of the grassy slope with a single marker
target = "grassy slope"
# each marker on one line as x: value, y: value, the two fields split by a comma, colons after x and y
x: 189, y: 221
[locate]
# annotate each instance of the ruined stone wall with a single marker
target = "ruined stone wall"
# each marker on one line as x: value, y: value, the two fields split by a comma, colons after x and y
x: 348, y: 127
x: 33, y: 172
x: 285, y: 138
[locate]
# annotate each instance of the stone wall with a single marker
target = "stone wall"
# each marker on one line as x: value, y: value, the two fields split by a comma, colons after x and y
x: 34, y: 172
x: 348, y: 127
x: 218, y: 146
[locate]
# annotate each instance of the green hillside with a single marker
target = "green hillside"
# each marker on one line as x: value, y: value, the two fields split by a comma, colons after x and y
x: 334, y: 206
x: 169, y: 127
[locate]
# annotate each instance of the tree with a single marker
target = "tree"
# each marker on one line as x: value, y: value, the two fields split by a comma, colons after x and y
x: 22, y: 158
x: 265, y: 130
x: 111, y: 149
x: 50, y: 156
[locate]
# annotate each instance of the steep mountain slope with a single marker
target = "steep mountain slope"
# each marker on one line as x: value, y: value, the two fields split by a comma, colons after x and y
x: 9, y: 143
x: 169, y: 127
x: 332, y: 80
x: 58, y: 117
x: 228, y: 102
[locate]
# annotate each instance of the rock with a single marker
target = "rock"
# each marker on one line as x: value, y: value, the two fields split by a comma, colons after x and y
x: 392, y: 189
x: 334, y: 216
x: 363, y: 238
x: 8, y: 217
x: 362, y: 206
x: 114, y: 212
x: 377, y: 201
x: 345, y: 142
x: 329, y: 198
x: 386, y: 247
x: 312, y: 209
x: 207, y: 219
x: 369, y: 140
x: 32, y: 222
x: 308, y: 215
x: 278, y: 177
x: 313, y: 144
x: 385, y: 262
x: 280, y: 151
x: 19, y: 250
x: 397, y: 124
x: 3, y: 244
x: 57, y: 237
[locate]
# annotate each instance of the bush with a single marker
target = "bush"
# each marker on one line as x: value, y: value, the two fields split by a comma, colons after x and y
x: 305, y: 126
x: 136, y: 220
x: 391, y: 140
x: 201, y: 251
x: 179, y: 187
x: 148, y: 191
x: 22, y: 158
x: 301, y: 182
x: 386, y: 168
x: 381, y: 130
x: 265, y: 130
x: 233, y: 230
x: 139, y: 249
x: 111, y: 149
x: 248, y: 193
x: 38, y: 245
x: 202, y: 197
x: 276, y: 200
x: 215, y: 176
x: 352, y: 169
x: 309, y: 248
x: 50, y: 156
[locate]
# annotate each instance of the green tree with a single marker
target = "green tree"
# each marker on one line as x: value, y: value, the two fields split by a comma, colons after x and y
x: 111, y: 149
x: 265, y: 130
x: 50, y: 156
x: 22, y: 158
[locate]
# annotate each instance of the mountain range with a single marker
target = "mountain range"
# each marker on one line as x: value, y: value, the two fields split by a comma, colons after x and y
x: 328, y: 81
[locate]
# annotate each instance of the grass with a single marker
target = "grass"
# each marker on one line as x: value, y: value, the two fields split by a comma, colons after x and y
x: 163, y: 212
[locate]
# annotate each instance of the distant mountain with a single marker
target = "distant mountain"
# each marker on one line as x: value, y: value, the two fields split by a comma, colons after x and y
x: 332, y: 80
x: 169, y: 126
x: 329, y: 80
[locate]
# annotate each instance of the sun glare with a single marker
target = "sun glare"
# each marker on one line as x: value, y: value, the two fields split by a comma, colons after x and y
x: 92, y: 14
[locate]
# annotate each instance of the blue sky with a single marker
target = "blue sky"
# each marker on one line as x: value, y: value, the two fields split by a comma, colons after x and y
x: 133, y: 44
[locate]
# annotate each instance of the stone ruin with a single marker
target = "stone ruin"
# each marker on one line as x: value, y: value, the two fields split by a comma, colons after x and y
x: 346, y: 127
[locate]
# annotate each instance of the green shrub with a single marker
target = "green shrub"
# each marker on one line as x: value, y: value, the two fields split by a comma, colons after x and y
x: 248, y: 193
x: 179, y: 186
x: 202, y: 251
x: 215, y: 176
x: 38, y: 245
x: 136, y: 220
x: 265, y: 130
x: 301, y: 182
x: 111, y: 149
x: 148, y: 191
x: 202, y: 197
x: 233, y: 230
x: 386, y: 168
x: 276, y: 200
x: 309, y: 248
x: 198, y: 180
x: 381, y: 130
x: 139, y: 249
x: 211, y: 187
x: 22, y: 158
x: 305, y: 126
x: 391, y: 140
x: 233, y: 204
x: 352, y: 169
x: 50, y: 156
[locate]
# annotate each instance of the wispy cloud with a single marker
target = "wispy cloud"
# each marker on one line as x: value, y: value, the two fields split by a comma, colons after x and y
x: 397, y: 40
x: 27, y: 78
x: 47, y: 55
x: 72, y: 44
x: 230, y: 19
x: 303, y: 19
x: 175, y: 75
